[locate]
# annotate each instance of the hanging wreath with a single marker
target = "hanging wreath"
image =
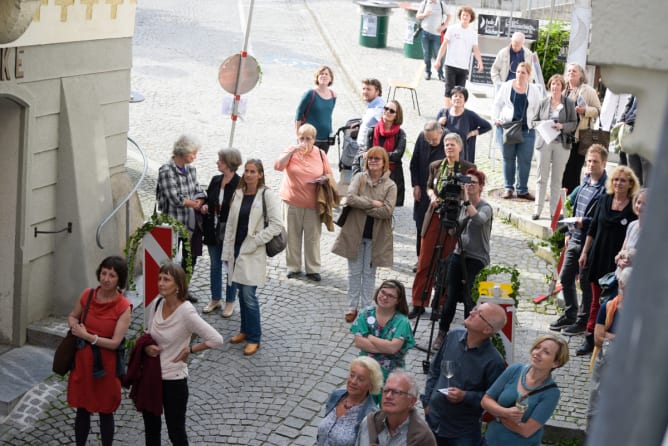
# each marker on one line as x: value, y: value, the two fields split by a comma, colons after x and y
x: 482, y: 276
x: 158, y: 219
x: 491, y: 270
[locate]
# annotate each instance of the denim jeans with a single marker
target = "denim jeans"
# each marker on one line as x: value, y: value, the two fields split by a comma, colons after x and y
x: 430, y: 45
x: 569, y: 270
x: 250, y: 313
x: 216, y: 276
x: 517, y: 157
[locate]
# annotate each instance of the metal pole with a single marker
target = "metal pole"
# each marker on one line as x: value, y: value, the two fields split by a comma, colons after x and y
x: 242, y: 60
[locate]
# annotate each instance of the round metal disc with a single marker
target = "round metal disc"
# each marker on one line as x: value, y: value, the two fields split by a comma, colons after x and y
x: 246, y: 67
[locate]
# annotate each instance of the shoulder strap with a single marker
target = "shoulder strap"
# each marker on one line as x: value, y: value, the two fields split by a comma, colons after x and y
x: 333, y: 93
x: 308, y: 107
x: 155, y: 310
x: 264, y: 209
x: 85, y: 311
x: 542, y: 389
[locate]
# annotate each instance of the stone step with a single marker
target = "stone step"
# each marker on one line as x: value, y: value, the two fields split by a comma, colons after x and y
x: 47, y: 332
x: 20, y: 370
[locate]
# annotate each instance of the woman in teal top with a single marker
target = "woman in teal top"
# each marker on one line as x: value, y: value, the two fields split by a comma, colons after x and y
x: 523, y: 398
x: 384, y: 331
x: 316, y: 107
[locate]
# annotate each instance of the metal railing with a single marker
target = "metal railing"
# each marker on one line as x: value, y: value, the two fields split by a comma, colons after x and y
x: 125, y: 201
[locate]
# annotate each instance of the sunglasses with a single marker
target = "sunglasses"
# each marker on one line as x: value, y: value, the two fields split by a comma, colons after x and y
x: 389, y: 110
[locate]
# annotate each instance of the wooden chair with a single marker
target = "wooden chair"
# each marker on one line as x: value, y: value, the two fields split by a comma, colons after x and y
x: 412, y: 86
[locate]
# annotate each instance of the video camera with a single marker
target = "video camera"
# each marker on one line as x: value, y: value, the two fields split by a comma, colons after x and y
x: 451, y: 198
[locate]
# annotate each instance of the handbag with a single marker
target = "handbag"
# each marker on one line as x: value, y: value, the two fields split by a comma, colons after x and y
x: 63, y: 358
x: 343, y: 216
x: 591, y: 136
x: 279, y: 242
x: 220, y: 231
x: 512, y: 132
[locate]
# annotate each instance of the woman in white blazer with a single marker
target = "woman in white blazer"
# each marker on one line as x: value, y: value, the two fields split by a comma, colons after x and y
x: 244, y: 249
x: 516, y: 100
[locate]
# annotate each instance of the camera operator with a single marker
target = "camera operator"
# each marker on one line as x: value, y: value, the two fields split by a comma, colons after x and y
x: 441, y: 173
x: 475, y: 223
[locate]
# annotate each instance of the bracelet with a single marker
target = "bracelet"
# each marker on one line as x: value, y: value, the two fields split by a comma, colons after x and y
x: 95, y: 341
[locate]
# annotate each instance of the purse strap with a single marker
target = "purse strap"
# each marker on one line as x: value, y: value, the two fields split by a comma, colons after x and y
x: 264, y: 209
x: 542, y: 389
x: 85, y: 311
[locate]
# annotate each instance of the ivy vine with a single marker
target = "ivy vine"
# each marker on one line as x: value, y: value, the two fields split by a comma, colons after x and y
x: 482, y: 276
x: 158, y: 219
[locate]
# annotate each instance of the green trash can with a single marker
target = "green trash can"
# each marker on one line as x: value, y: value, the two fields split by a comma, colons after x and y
x: 413, y: 42
x: 373, y: 30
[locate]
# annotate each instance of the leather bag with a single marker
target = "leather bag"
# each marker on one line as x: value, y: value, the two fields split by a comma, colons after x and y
x: 591, y: 136
x: 343, y: 216
x: 63, y: 358
x: 512, y: 132
x: 279, y: 242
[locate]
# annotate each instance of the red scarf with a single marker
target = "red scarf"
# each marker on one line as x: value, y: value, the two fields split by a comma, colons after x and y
x: 390, y: 138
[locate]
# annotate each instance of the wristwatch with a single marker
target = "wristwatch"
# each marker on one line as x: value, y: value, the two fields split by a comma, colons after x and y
x: 467, y: 203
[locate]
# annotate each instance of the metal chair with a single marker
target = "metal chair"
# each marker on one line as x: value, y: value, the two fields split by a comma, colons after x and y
x: 412, y: 86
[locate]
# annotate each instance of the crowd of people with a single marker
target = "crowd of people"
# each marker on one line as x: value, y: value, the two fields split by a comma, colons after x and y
x: 238, y: 215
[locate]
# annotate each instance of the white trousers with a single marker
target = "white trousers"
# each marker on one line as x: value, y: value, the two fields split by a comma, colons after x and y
x: 551, y: 160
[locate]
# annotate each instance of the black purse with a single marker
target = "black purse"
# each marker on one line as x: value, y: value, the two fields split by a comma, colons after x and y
x: 220, y: 231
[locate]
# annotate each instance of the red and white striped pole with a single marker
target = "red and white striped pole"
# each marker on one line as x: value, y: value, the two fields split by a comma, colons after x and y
x: 157, y: 250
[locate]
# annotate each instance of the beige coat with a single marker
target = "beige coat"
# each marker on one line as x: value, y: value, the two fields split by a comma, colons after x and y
x: 593, y: 107
x: 250, y: 268
x: 360, y: 194
x: 501, y: 66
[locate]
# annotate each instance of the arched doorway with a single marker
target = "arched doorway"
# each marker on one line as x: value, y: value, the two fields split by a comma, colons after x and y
x: 12, y: 131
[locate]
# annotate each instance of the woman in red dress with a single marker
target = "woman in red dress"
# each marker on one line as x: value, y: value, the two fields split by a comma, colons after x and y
x: 93, y: 385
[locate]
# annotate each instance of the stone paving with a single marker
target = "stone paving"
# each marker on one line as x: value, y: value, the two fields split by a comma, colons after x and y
x: 276, y: 397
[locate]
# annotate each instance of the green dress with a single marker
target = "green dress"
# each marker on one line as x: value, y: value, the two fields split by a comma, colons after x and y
x: 397, y: 327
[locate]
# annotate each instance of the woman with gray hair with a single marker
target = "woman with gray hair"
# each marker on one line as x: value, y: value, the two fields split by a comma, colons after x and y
x: 179, y: 195
x: 347, y: 407
x: 219, y: 195
x: 588, y: 107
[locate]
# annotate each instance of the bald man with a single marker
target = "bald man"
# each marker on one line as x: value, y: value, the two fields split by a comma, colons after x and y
x: 507, y: 58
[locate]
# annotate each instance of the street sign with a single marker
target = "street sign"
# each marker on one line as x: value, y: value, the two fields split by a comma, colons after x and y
x: 485, y: 77
x: 232, y: 71
x: 502, y: 26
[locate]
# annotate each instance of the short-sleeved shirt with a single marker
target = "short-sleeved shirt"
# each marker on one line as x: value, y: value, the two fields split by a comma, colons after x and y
x: 297, y: 188
x: 541, y: 407
x: 397, y: 327
x: 460, y: 44
x: 319, y: 113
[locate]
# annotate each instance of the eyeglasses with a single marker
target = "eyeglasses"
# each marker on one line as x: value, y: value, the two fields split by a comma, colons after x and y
x: 395, y: 392
x: 476, y: 311
x: 305, y: 138
x: 374, y: 158
x: 386, y: 294
x: 389, y: 110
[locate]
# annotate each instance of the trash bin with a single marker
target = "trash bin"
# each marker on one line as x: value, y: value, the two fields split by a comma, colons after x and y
x: 373, y: 30
x: 374, y: 20
x: 412, y: 41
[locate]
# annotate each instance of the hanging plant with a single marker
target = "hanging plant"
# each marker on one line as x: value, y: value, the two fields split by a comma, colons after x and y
x: 491, y: 270
x: 158, y: 219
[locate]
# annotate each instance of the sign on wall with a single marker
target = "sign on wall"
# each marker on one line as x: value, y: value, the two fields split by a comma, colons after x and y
x: 502, y: 26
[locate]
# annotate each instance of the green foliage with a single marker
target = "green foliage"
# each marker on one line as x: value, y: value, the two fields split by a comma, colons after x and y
x: 132, y: 246
x: 491, y: 270
x: 559, y: 35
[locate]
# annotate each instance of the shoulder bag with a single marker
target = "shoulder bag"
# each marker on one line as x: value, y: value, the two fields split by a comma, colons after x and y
x: 279, y: 242
x: 63, y: 358
x: 512, y: 131
x: 592, y: 136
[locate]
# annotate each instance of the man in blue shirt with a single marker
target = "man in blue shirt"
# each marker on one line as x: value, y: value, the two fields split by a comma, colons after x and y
x: 452, y: 405
x: 584, y: 198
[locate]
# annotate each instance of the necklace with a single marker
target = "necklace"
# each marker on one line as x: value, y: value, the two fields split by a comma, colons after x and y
x: 346, y: 406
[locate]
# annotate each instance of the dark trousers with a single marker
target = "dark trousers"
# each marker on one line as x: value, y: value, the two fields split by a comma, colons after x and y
x: 573, y: 170
x: 456, y: 291
x: 324, y: 145
x: 174, y: 403
x: 82, y: 427
x: 569, y: 271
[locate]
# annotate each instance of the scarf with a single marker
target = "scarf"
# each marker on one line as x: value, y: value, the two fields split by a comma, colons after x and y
x: 389, y: 138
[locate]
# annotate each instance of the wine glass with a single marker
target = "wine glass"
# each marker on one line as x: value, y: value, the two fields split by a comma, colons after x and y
x: 449, y: 370
x: 522, y: 402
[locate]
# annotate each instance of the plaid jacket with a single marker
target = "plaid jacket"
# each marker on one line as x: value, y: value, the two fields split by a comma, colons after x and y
x: 173, y: 188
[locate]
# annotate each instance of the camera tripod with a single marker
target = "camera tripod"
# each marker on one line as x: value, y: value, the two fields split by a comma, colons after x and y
x: 438, y: 268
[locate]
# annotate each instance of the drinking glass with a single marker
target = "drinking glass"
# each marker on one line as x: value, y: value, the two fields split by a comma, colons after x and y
x: 522, y: 403
x: 449, y: 370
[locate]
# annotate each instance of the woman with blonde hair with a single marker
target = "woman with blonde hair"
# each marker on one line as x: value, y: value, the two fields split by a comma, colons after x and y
x: 366, y: 236
x: 304, y: 165
x: 524, y: 397
x: 347, y: 407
